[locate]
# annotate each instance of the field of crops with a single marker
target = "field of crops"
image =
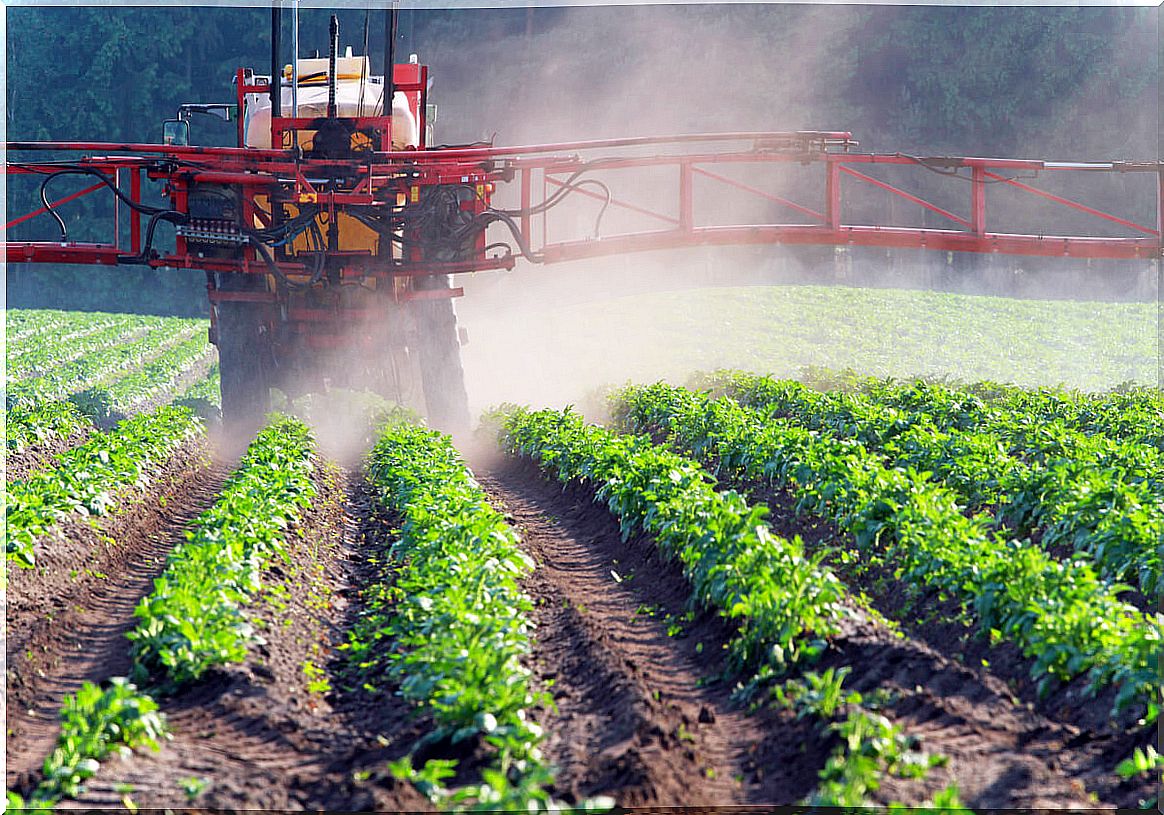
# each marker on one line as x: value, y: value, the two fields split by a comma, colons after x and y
x: 832, y: 589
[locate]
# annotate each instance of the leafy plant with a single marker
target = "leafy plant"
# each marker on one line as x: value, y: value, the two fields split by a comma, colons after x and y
x: 1061, y: 614
x: 95, y: 722
x: 90, y: 478
x: 451, y: 630
x: 193, y: 619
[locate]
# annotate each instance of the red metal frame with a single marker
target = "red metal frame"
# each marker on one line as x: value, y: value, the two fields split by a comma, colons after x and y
x: 259, y: 172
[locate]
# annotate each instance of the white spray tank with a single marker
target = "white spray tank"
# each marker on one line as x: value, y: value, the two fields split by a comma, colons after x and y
x: 357, y: 93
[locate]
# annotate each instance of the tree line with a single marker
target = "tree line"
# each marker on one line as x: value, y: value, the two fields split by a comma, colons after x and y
x: 1055, y: 83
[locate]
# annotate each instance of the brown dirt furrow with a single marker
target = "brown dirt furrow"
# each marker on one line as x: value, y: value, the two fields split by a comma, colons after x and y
x: 254, y: 735
x: 19, y: 466
x: 635, y: 718
x: 67, y: 618
x: 977, y: 698
x: 1000, y: 752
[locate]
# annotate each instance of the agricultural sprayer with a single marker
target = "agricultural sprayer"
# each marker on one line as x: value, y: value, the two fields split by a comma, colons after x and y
x: 332, y: 234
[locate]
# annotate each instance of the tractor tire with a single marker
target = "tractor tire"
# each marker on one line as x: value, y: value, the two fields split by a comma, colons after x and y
x: 439, y: 347
x: 243, y: 357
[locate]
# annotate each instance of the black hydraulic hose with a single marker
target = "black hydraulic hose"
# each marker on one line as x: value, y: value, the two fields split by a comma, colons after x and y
x: 173, y: 216
x: 389, y: 60
x: 104, y: 179
x: 49, y: 208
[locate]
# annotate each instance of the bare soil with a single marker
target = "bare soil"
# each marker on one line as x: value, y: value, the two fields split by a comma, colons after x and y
x: 256, y: 735
x: 623, y: 685
x: 1094, y: 742
x: 67, y: 617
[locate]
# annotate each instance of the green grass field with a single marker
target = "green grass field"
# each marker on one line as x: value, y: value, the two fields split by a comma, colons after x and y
x: 559, y: 353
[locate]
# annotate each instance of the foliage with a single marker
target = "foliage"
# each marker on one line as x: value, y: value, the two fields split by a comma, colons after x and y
x: 193, y: 620
x: 785, y: 603
x: 34, y: 424
x: 123, y: 394
x: 204, y: 397
x: 91, y: 478
x: 1060, y: 614
x: 1102, y: 496
x: 452, y: 629
x: 94, y: 723
x: 48, y: 381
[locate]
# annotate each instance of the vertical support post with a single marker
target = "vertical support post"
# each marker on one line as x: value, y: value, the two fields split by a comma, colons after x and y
x: 276, y: 74
x: 240, y: 97
x: 422, y: 109
x: 332, y: 54
x: 978, y: 200
x: 134, y: 215
x: 833, y: 195
x: 294, y: 59
x: 390, y: 28
x: 526, y: 182
x: 117, y: 208
x: 686, y: 197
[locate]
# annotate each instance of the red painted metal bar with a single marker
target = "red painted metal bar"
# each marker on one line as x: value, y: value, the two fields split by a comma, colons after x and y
x: 686, y: 197
x: 134, y: 215
x: 888, y: 237
x: 812, y: 213
x: 832, y: 138
x: 220, y: 296
x: 58, y: 202
x: 978, y: 200
x: 98, y: 254
x: 614, y: 202
x: 833, y: 195
x: 432, y: 294
x: 907, y: 196
x: 1067, y: 202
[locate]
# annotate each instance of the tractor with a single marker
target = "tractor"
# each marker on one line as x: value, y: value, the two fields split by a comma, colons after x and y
x: 332, y: 232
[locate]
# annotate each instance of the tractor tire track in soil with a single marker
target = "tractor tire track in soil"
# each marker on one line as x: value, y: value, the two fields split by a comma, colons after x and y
x: 633, y: 718
x: 67, y: 618
x: 1071, y: 732
x: 608, y: 662
x: 253, y: 735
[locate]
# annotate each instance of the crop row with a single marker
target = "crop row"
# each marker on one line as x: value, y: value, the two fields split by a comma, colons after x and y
x: 1130, y: 415
x: 783, y: 604
x: 94, y: 723
x: 100, y: 365
x: 35, y: 358
x: 21, y: 325
x: 158, y: 375
x: 29, y: 425
x: 452, y: 628
x: 91, y: 478
x: 193, y: 619
x: 1083, y: 494
x: 1061, y: 614
x: 204, y: 396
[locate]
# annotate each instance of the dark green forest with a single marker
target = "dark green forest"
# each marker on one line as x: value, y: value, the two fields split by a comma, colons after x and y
x: 1053, y: 83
